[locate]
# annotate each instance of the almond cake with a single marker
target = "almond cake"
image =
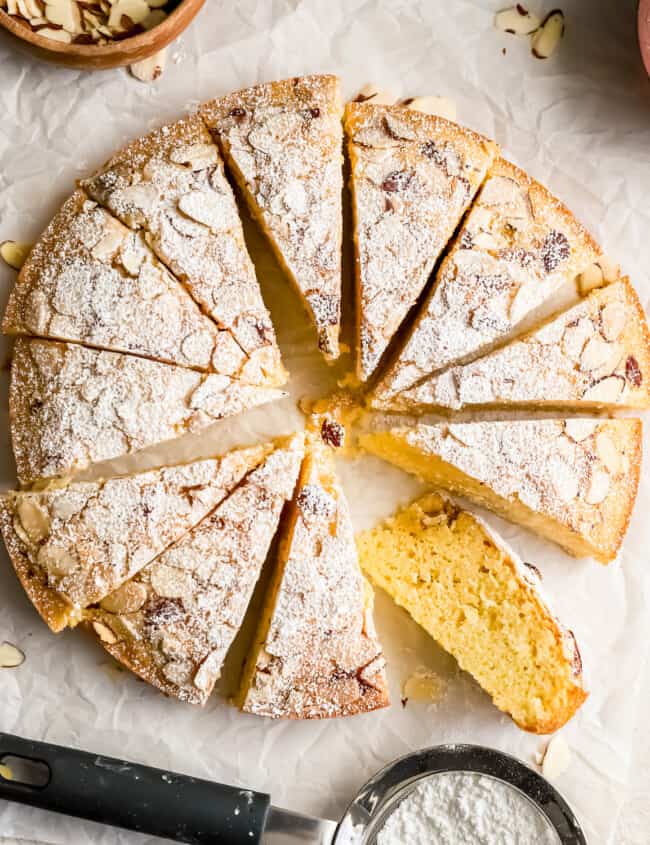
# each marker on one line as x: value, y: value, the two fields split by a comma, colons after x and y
x: 572, y: 481
x: 316, y: 654
x: 518, y: 247
x: 413, y: 176
x: 171, y: 185
x: 70, y: 406
x: 594, y: 356
x: 71, y: 546
x: 89, y: 279
x: 283, y: 143
x: 175, y: 621
x: 482, y: 604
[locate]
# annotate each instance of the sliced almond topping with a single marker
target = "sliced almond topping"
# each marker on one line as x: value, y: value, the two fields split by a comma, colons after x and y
x: 547, y: 38
x: 129, y: 598
x: 579, y: 430
x: 58, y: 562
x: 151, y: 68
x: 600, y: 355
x: 170, y: 582
x: 590, y: 279
x: 14, y: 254
x: 598, y: 487
x: 34, y: 520
x: 517, y: 21
x: 10, y: 657
x: 399, y: 128
x: 575, y: 337
x: 606, y: 391
x: 610, y: 269
x: 196, y: 156
x: 438, y: 106
x: 104, y: 633
x: 608, y: 453
x: 612, y: 320
x: 376, y: 95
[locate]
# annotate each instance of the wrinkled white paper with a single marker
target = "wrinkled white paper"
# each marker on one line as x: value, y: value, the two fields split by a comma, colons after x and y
x: 580, y: 123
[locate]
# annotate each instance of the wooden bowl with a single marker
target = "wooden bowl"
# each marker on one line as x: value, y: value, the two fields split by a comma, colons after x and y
x: 643, y: 21
x: 104, y: 56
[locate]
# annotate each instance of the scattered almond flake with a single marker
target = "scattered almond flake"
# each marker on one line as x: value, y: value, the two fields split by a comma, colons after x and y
x: 517, y: 20
x: 440, y: 106
x: 150, y: 69
x: 186, y: 606
x: 87, y: 21
x: 376, y: 95
x: 10, y: 656
x: 547, y: 38
x: 14, y: 253
x: 424, y: 685
x: 557, y: 758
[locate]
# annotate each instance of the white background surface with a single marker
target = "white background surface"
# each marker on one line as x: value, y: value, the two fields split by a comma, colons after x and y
x: 581, y: 123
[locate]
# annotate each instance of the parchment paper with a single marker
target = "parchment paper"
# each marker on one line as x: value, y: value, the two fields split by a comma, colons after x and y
x: 579, y: 122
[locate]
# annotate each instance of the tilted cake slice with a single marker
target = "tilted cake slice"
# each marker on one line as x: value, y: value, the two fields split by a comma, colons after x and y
x: 595, y: 355
x: 572, y: 481
x: 70, y: 406
x: 72, y: 546
x: 316, y: 654
x: 170, y: 184
x: 517, y: 249
x: 413, y: 176
x: 283, y: 143
x: 175, y: 621
x: 476, y: 598
x: 91, y: 280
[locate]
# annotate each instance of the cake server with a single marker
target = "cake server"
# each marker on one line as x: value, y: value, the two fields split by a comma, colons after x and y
x: 186, y: 809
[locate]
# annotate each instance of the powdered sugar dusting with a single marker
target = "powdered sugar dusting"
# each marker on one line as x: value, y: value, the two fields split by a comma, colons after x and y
x: 321, y: 657
x: 517, y: 248
x: 565, y: 361
x: 413, y: 177
x: 72, y: 406
x: 195, y: 595
x: 283, y: 140
x: 83, y: 541
x: 170, y: 184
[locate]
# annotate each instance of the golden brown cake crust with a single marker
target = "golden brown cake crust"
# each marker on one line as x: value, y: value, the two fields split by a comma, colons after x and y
x: 316, y: 653
x: 174, y: 622
x: 573, y: 481
x: 89, y: 279
x: 517, y: 248
x: 413, y: 176
x: 283, y: 143
x: 594, y: 355
x: 78, y: 543
x: 171, y: 185
x: 70, y: 406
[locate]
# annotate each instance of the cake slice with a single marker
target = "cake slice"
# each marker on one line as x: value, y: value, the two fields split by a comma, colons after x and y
x: 594, y: 356
x: 572, y: 481
x: 91, y: 280
x: 170, y: 184
x: 282, y: 142
x: 175, y: 621
x: 70, y: 406
x: 316, y: 654
x: 476, y: 598
x: 72, y: 546
x: 413, y: 176
x: 517, y: 249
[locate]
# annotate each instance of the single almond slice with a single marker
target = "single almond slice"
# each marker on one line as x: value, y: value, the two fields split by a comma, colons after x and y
x: 547, y: 38
x: 376, y: 95
x: 517, y: 20
x: 557, y: 758
x: 440, y: 106
x: 14, y: 253
x: 151, y: 68
x: 10, y: 656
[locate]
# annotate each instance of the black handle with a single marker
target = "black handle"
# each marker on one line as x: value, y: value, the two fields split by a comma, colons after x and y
x: 134, y: 797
